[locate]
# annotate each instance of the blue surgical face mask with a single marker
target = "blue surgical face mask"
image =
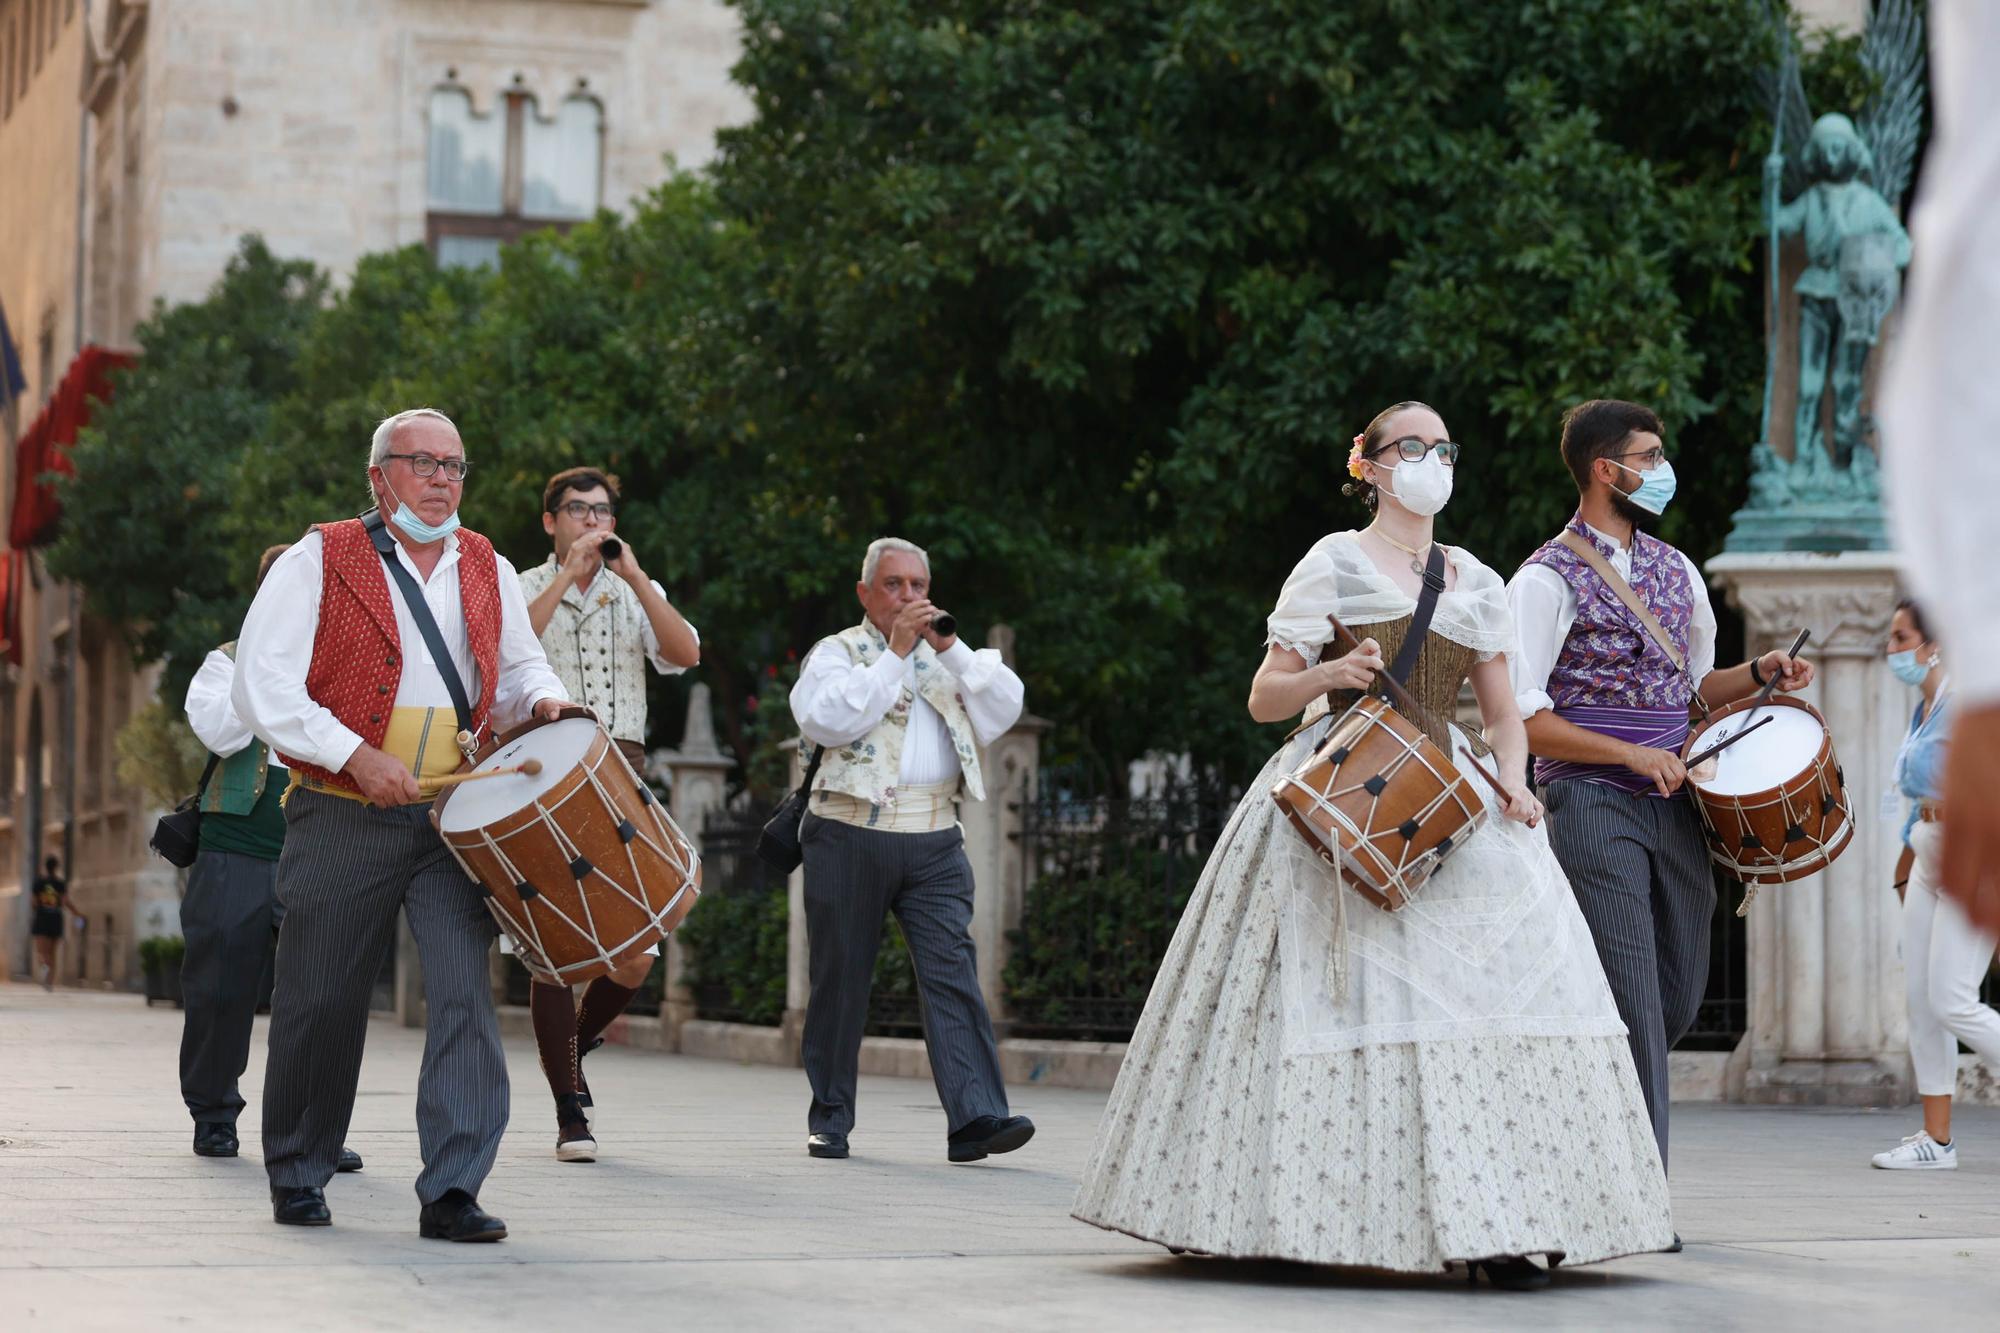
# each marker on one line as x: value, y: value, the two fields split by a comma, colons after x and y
x: 420, y: 531
x: 1906, y: 668
x: 1656, y: 488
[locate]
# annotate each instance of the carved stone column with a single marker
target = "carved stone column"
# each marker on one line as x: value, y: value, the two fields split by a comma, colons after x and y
x: 1827, y: 1022
x: 1009, y: 766
x: 698, y: 772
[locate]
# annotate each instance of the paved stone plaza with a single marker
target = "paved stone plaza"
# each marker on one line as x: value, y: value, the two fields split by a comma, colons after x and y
x: 705, y: 1213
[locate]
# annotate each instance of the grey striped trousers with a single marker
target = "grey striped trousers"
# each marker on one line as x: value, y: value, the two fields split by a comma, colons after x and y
x: 854, y: 877
x: 346, y: 869
x: 1640, y: 870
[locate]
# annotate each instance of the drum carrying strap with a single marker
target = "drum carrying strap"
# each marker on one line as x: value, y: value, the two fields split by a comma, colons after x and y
x: 420, y: 611
x: 1587, y: 552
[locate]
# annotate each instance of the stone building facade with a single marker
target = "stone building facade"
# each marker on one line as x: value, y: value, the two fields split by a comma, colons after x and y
x: 139, y: 140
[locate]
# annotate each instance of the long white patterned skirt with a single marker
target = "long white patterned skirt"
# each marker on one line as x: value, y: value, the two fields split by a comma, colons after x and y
x: 1402, y: 1155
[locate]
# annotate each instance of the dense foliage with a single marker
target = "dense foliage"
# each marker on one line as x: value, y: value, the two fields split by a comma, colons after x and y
x: 1086, y: 299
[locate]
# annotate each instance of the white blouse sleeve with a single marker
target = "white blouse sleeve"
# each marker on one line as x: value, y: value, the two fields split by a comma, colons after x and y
x: 209, y: 711
x: 1544, y: 610
x: 1299, y: 621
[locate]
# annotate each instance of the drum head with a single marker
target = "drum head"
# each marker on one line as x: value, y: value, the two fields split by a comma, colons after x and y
x: 1782, y: 749
x: 560, y: 746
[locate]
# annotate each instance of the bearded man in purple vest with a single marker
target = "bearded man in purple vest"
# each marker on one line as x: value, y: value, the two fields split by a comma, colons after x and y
x: 1608, y: 710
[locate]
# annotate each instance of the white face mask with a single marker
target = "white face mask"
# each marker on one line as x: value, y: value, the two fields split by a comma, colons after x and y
x: 1422, y: 487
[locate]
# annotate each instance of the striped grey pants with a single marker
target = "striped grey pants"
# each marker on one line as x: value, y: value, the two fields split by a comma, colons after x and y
x: 1640, y: 870
x: 854, y: 878
x: 346, y: 869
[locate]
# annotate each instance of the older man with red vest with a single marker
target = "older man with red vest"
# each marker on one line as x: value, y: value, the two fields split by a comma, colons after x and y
x: 335, y: 671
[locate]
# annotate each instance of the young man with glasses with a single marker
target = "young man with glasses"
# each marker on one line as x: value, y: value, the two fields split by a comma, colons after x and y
x: 600, y: 629
x: 1607, y: 711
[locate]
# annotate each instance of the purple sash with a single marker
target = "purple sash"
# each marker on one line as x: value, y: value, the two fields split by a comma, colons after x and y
x: 1660, y: 728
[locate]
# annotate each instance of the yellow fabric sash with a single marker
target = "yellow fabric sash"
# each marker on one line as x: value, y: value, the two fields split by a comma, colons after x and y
x: 922, y: 808
x: 423, y: 738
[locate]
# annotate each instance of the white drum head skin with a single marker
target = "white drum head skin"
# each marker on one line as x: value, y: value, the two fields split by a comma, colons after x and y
x: 560, y: 746
x: 1781, y: 749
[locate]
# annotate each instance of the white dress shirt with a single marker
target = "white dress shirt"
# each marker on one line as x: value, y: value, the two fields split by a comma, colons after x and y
x: 209, y: 710
x: 836, y: 701
x: 1941, y: 466
x: 275, y: 650
x: 1545, y: 609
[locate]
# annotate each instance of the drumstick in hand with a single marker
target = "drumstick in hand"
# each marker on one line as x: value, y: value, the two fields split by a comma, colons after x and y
x: 1413, y: 708
x: 528, y: 767
x: 1697, y: 760
x: 1792, y: 652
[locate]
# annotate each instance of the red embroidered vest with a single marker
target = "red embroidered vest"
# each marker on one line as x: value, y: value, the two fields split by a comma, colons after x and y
x: 357, y: 659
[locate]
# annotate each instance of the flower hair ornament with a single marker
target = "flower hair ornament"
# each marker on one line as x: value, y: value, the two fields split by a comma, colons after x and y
x: 1354, y: 456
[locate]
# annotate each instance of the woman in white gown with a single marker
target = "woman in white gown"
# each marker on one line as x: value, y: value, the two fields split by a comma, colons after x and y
x: 1319, y: 1080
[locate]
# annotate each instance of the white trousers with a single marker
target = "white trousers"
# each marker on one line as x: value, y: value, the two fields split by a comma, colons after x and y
x: 1944, y: 960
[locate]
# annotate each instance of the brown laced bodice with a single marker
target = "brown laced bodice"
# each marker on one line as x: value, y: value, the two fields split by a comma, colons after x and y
x: 1441, y: 670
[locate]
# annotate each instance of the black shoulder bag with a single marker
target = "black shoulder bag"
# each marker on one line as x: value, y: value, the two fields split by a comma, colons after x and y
x: 177, y: 835
x: 778, y: 847
x: 420, y: 611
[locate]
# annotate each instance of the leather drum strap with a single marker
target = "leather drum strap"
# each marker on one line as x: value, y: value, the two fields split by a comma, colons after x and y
x: 1590, y: 555
x: 1405, y: 664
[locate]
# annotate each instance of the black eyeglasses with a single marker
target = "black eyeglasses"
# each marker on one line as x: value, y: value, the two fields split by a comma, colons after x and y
x: 1412, y: 450
x: 578, y: 508
x: 425, y: 465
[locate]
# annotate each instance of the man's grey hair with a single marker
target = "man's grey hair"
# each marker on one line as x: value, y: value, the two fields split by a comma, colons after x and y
x: 873, y: 560
x: 383, y: 442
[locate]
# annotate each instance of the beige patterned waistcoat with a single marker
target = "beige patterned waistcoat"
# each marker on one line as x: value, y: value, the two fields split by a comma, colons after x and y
x: 868, y: 769
x: 596, y: 644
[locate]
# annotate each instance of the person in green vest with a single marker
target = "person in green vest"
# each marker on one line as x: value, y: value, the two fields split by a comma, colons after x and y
x: 230, y: 914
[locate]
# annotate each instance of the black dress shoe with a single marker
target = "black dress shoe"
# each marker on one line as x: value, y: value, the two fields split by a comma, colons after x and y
x: 987, y: 1135
x: 458, y: 1216
x: 1511, y: 1273
x: 826, y: 1145
x: 214, y: 1138
x: 350, y: 1160
x: 300, y: 1206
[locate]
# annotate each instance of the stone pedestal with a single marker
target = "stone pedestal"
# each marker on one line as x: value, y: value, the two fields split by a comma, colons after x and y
x: 1827, y: 1021
x: 698, y: 773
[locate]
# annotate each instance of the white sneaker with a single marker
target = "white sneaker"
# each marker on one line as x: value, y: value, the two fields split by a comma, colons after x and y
x: 1919, y: 1152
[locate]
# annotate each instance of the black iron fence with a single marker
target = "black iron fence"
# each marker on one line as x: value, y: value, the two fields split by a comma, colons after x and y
x: 735, y: 939
x: 1724, y: 1015
x: 1107, y: 877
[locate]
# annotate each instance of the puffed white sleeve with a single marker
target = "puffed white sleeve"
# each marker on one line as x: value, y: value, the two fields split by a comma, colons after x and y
x: 994, y: 695
x: 525, y: 675
x: 273, y: 654
x: 1299, y: 621
x: 837, y: 701
x: 210, y: 713
x: 1544, y: 608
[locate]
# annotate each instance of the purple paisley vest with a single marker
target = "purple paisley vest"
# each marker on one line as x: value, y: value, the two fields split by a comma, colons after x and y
x: 1610, y: 676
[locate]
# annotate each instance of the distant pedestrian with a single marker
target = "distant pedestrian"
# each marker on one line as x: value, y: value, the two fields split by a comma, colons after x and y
x: 51, y: 898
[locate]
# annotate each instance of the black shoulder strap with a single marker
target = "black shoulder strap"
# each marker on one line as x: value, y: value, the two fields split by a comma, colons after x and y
x: 1405, y: 664
x: 207, y: 772
x: 420, y: 611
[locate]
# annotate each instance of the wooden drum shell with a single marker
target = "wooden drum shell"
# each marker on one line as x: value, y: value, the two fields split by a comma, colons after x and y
x: 1783, y: 832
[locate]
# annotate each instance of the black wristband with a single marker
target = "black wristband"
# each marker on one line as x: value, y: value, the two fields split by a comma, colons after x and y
x: 1756, y: 676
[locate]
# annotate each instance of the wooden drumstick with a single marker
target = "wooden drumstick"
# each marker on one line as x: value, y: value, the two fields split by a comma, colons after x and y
x: 1772, y: 683
x: 529, y: 767
x: 1702, y: 757
x: 1413, y: 708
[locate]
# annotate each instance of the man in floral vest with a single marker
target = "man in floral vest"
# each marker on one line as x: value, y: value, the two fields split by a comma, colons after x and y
x: 601, y: 622
x: 230, y: 912
x: 333, y: 670
x: 899, y: 710
x: 1607, y: 708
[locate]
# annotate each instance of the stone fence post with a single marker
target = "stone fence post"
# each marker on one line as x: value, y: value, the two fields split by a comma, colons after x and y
x: 697, y: 774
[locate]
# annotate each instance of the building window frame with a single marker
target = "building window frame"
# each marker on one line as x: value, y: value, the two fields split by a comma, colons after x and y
x: 515, y: 105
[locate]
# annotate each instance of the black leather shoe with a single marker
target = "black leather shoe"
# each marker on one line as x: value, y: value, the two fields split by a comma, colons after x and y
x: 826, y: 1145
x: 214, y: 1138
x: 350, y: 1160
x: 987, y: 1135
x: 300, y: 1206
x: 458, y: 1216
x: 1511, y: 1273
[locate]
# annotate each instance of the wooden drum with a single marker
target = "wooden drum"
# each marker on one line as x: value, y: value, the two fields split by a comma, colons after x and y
x: 1776, y: 807
x: 579, y: 863
x: 1379, y: 795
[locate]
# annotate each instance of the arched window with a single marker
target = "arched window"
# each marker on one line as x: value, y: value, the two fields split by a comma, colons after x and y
x: 497, y: 175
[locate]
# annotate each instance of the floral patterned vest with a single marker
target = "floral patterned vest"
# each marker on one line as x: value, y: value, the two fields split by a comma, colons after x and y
x: 868, y: 769
x: 1609, y: 660
x: 596, y: 643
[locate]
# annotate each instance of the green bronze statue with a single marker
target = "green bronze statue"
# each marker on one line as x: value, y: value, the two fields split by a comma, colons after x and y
x: 1837, y: 186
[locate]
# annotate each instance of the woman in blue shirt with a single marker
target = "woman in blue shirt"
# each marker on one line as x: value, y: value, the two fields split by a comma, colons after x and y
x: 1944, y: 956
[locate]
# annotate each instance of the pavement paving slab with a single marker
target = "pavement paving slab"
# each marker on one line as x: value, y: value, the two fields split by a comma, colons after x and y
x: 704, y: 1212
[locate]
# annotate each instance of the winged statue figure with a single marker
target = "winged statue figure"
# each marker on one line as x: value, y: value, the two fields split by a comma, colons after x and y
x: 1838, y: 185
